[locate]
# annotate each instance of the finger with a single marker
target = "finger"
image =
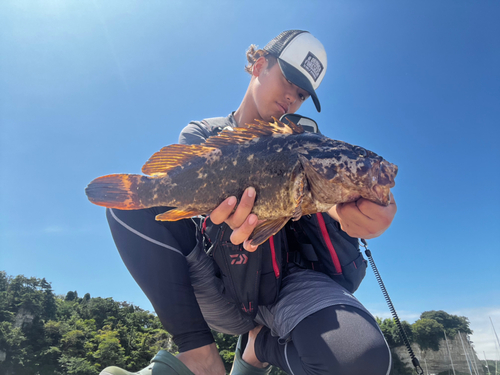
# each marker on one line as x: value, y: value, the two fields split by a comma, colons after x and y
x: 365, y: 219
x: 347, y: 216
x: 350, y: 212
x: 243, y: 210
x: 223, y: 211
x: 354, y: 223
x: 383, y: 215
x: 354, y: 230
x: 247, y: 244
x: 244, y: 231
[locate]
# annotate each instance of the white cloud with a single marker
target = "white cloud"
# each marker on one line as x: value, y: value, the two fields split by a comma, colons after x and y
x: 483, y: 336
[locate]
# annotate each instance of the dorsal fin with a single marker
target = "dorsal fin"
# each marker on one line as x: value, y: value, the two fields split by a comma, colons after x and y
x: 173, y: 156
x: 251, y: 131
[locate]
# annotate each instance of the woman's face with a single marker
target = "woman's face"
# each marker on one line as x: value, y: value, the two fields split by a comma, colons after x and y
x: 273, y: 94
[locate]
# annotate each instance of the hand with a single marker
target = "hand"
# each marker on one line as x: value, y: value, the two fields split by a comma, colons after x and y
x: 242, y: 221
x: 364, y: 218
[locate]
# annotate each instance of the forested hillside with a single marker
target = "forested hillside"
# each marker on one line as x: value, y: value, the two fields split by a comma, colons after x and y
x: 45, y: 334
x: 41, y: 333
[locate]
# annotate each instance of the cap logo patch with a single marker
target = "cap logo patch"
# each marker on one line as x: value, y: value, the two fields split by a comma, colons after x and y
x: 313, y: 66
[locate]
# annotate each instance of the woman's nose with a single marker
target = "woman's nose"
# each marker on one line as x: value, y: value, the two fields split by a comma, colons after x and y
x: 291, y: 97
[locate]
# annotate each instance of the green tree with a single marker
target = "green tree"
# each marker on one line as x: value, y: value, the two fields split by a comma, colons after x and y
x: 41, y: 333
x: 77, y: 366
x: 399, y: 367
x: 99, y: 309
x: 12, y: 343
x: 451, y: 323
x: 71, y: 296
x: 5, y: 314
x: 391, y: 331
x: 144, y: 347
x: 27, y: 303
x: 226, y: 344
x: 427, y: 333
x: 109, y: 351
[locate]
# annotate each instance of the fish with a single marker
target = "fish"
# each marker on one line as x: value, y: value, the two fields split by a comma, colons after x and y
x: 294, y: 173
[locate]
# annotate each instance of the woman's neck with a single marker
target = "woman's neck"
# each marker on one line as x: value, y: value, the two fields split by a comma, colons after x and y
x: 247, y: 111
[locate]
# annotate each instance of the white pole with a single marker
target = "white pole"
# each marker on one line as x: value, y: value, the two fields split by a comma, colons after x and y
x: 473, y: 355
x: 485, y: 360
x: 494, y: 331
x: 449, y: 353
x: 466, y: 357
x: 496, y: 362
x: 425, y: 361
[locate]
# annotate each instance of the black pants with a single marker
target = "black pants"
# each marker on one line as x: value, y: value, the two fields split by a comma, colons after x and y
x: 154, y: 253
x: 339, y: 339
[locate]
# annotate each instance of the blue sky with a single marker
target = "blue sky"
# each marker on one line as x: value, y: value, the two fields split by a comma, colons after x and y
x: 89, y: 88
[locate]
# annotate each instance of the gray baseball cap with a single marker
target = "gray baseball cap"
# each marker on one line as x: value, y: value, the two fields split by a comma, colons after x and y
x: 302, y: 59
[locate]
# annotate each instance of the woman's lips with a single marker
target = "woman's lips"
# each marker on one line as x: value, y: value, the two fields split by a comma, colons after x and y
x: 283, y: 108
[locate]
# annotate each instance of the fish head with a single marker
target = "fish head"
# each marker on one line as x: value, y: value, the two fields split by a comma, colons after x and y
x: 339, y: 172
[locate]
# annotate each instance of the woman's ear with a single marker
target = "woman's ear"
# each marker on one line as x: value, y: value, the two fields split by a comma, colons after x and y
x: 259, y: 66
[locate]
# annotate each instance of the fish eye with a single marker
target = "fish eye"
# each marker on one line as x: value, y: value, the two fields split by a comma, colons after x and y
x: 361, y: 151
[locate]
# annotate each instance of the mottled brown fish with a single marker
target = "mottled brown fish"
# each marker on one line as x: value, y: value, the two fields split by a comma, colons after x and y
x: 294, y: 173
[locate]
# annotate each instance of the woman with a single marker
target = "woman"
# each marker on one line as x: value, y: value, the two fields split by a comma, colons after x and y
x: 332, y: 334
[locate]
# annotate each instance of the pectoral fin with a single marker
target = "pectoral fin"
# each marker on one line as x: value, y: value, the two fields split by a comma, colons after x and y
x: 265, y: 230
x: 319, y: 186
x: 300, y: 185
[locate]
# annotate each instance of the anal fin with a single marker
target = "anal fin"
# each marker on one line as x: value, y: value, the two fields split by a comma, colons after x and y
x: 265, y: 230
x: 177, y: 214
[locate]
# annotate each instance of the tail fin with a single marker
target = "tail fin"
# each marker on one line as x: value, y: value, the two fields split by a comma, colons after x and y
x: 116, y: 191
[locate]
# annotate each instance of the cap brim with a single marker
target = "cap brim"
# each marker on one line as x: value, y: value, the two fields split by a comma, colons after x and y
x: 297, y: 78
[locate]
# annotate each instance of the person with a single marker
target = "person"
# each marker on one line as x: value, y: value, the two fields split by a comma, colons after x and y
x: 307, y: 322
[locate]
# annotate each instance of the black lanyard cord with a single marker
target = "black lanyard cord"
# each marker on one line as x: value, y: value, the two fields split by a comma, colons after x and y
x: 402, y: 334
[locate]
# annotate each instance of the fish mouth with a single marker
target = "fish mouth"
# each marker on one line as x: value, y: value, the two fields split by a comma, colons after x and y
x: 382, y: 195
x: 386, y: 176
x: 387, y: 173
